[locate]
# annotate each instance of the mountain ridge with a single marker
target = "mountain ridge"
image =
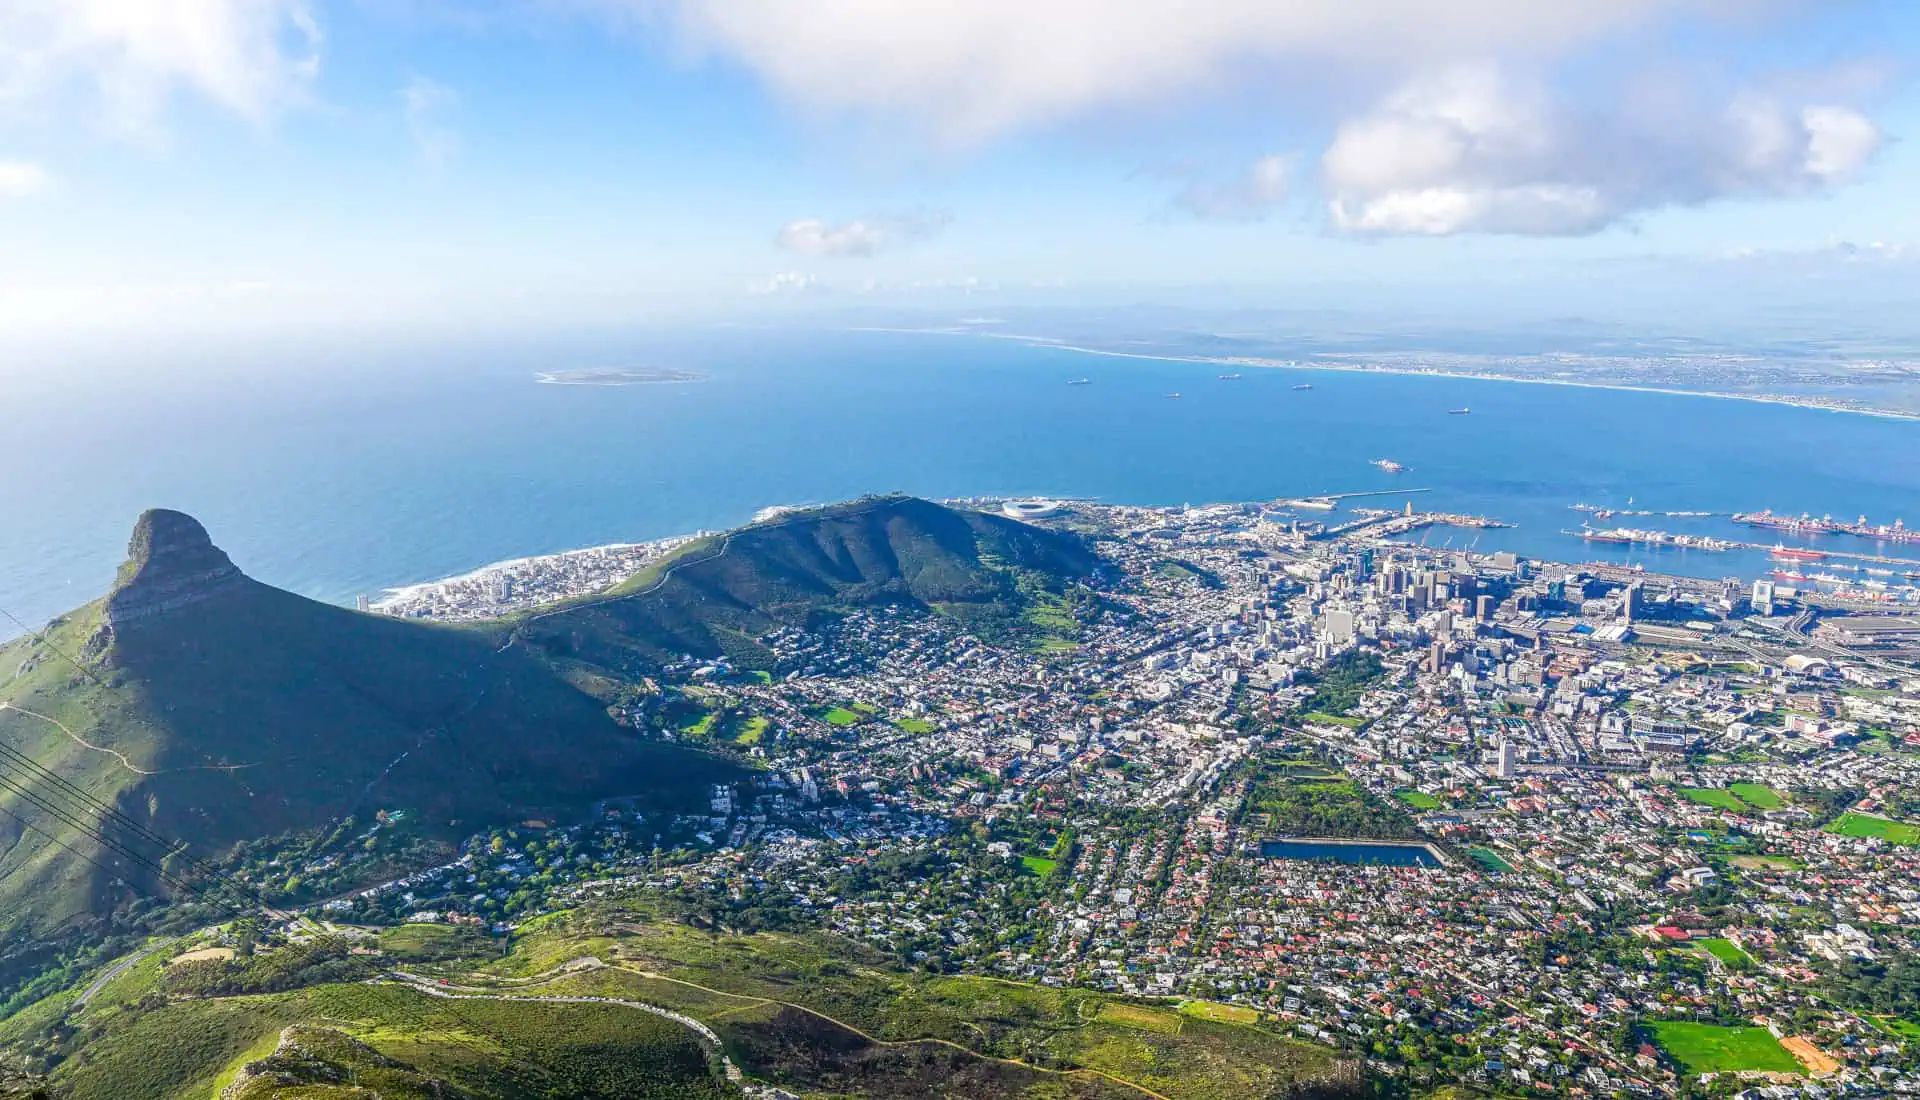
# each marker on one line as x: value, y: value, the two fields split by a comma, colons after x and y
x: 209, y: 707
x: 713, y: 598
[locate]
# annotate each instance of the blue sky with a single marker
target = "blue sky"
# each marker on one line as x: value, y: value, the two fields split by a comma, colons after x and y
x: 254, y: 164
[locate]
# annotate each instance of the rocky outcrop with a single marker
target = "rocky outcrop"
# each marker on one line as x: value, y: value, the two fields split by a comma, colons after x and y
x: 171, y: 563
x: 326, y: 1064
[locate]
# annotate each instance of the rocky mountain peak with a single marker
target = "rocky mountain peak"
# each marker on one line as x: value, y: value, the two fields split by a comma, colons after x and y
x: 171, y: 563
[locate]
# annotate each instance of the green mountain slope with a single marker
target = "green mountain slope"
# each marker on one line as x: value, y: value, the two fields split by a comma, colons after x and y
x: 210, y: 708
x: 717, y: 596
x: 215, y: 708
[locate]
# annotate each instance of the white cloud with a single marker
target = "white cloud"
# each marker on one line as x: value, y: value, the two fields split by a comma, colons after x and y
x: 1839, y: 142
x: 1260, y: 188
x: 785, y: 282
x: 1472, y: 150
x: 981, y: 67
x: 1839, y: 254
x: 251, y: 57
x: 861, y: 236
x: 424, y: 103
x: 21, y: 179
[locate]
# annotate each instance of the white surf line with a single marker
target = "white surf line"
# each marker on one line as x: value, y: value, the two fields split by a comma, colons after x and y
x: 1049, y: 343
x: 77, y: 739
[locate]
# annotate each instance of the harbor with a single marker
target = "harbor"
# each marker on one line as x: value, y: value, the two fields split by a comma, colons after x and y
x: 1622, y: 536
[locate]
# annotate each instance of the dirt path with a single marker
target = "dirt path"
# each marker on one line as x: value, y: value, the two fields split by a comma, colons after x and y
x: 751, y: 1001
x: 79, y: 740
x: 589, y: 963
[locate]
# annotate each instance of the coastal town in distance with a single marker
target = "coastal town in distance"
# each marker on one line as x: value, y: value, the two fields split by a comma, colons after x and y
x: 1456, y: 815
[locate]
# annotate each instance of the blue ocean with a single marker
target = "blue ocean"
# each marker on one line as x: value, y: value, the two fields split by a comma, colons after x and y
x: 335, y: 474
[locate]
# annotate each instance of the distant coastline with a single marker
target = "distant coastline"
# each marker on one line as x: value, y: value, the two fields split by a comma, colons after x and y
x: 1824, y: 404
x: 617, y: 376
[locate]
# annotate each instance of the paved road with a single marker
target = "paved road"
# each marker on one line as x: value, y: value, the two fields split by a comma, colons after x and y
x: 118, y: 969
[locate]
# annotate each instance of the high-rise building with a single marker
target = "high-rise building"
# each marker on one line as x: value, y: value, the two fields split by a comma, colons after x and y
x: 1483, y: 608
x: 1632, y: 602
x: 1508, y: 759
x: 1338, y: 629
x: 1763, y: 597
x: 1437, y: 658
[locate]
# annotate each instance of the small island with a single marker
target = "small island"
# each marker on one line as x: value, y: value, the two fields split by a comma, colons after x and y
x: 618, y: 376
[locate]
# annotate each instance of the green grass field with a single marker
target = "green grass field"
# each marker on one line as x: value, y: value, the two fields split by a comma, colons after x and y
x: 1490, y: 860
x: 1757, y: 795
x: 1710, y: 796
x: 1766, y: 863
x: 1727, y: 952
x: 839, y: 716
x: 428, y: 942
x: 1039, y: 865
x: 914, y: 725
x: 1419, y: 800
x: 1220, y: 1013
x: 1867, y: 825
x: 1315, y: 716
x: 1707, y: 1048
x: 1894, y: 1025
x: 1140, y: 1019
x: 751, y: 731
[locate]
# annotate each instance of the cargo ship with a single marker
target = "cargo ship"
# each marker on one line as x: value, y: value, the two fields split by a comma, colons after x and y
x: 1173, y: 397
x: 1390, y: 466
x: 1230, y: 378
x: 1304, y: 386
x: 1079, y: 381
x: 1795, y: 553
x: 1804, y: 524
x: 1458, y: 412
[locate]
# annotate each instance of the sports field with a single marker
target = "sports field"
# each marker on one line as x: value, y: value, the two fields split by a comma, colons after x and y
x: 1867, y: 825
x: 1709, y: 1048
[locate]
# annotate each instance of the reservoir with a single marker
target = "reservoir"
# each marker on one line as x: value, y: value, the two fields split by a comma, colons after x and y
x: 1354, y: 852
